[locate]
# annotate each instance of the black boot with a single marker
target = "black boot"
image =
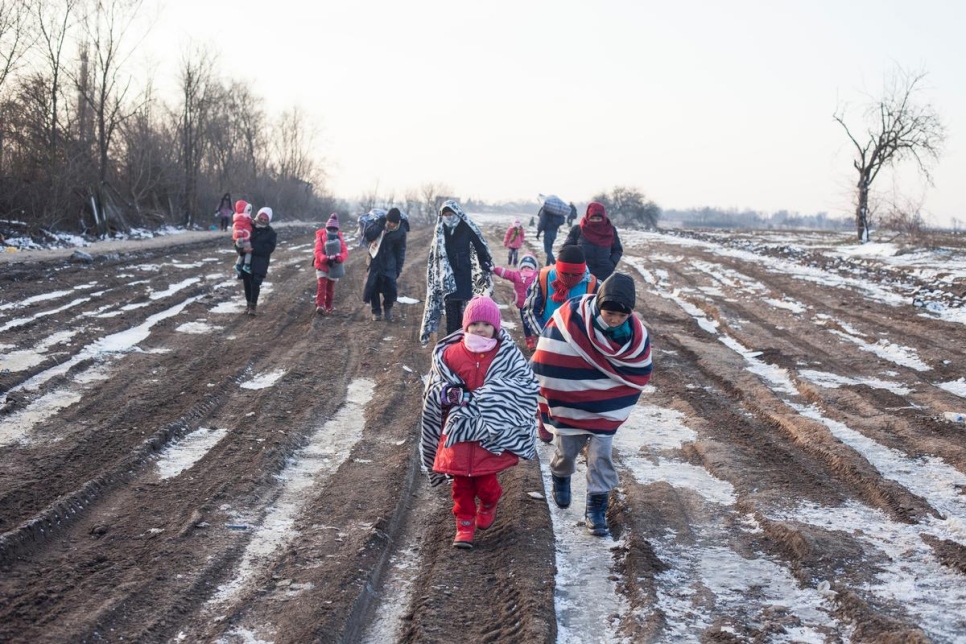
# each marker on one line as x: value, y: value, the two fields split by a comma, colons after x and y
x: 561, y: 491
x: 597, y: 514
x: 388, y: 314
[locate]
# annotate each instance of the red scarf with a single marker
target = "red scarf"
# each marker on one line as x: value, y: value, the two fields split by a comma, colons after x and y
x: 598, y: 233
x: 562, y: 284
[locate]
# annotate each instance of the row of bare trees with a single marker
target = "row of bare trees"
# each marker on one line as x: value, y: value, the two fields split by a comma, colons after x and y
x: 85, y: 146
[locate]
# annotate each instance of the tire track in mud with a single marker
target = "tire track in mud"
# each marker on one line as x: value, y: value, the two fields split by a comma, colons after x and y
x: 850, y: 471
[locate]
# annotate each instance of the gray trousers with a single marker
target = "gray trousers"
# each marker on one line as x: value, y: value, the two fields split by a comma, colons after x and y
x: 601, y: 475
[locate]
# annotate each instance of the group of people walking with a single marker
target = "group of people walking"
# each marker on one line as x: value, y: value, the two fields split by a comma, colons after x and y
x: 485, y: 403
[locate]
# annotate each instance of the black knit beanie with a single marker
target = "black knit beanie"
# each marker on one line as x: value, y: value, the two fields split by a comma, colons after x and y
x: 571, y: 255
x: 617, y: 293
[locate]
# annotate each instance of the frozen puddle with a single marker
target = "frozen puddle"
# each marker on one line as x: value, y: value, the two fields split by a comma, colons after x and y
x: 584, y: 565
x: 311, y: 466
x: 182, y: 454
x: 263, y: 380
x: 25, y: 359
x: 199, y: 327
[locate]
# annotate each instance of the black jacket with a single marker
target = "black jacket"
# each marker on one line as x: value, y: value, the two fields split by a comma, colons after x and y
x: 392, y: 251
x: 390, y: 257
x: 600, y: 260
x: 263, y: 245
x: 458, y: 253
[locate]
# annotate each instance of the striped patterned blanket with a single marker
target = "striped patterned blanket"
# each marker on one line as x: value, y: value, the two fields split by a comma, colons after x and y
x: 587, y: 381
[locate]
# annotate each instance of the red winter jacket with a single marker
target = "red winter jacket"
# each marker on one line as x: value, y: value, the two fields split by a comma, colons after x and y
x: 468, y: 458
x: 321, y: 261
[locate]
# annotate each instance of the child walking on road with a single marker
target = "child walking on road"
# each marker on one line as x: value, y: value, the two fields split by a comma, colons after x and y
x: 592, y: 361
x: 513, y: 240
x: 522, y: 279
x: 478, y: 415
x: 330, y: 255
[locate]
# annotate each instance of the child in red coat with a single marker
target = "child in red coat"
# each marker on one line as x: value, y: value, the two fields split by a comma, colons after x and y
x: 479, y: 407
x: 241, y: 234
x: 330, y: 255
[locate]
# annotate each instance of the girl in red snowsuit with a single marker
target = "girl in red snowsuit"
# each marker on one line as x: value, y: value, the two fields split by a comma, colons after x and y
x: 478, y: 415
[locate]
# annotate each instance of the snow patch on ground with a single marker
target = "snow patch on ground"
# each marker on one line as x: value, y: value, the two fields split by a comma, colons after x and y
x: 181, y: 454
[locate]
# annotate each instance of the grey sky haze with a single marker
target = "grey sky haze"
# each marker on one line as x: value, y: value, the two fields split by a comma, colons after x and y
x: 726, y: 104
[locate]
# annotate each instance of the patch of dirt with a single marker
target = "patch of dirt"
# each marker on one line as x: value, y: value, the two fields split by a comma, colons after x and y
x: 95, y: 546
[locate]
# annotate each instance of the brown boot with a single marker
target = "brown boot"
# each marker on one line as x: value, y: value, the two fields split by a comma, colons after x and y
x: 251, y: 309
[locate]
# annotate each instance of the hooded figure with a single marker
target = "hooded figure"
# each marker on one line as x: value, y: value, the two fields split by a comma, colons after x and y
x: 597, y: 237
x: 459, y: 266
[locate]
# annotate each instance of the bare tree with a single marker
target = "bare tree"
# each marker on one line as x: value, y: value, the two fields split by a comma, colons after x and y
x: 53, y: 22
x: 106, y: 92
x: 433, y: 197
x: 16, y: 35
x: 630, y: 206
x: 248, y: 123
x: 369, y: 199
x: 196, y: 80
x: 897, y: 128
x: 411, y: 201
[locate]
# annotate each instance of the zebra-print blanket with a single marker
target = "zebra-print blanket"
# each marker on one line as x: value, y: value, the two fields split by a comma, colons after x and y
x: 501, y: 414
x: 440, y: 280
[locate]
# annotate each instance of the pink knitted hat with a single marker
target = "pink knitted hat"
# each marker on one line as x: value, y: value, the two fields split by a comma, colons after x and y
x: 333, y: 221
x: 481, y: 309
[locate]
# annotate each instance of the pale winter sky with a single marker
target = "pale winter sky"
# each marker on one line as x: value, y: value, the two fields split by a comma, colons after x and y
x: 695, y: 103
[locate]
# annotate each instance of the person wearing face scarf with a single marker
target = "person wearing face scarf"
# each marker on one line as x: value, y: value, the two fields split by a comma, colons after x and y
x: 597, y: 237
x: 459, y: 266
x: 263, y: 240
x: 479, y: 407
x: 554, y: 285
x: 592, y: 361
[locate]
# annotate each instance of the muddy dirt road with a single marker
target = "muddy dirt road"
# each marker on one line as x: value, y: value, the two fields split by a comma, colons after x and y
x: 173, y: 470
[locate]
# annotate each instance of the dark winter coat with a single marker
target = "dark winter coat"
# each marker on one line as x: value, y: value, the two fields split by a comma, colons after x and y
x: 457, y: 244
x: 600, y: 260
x: 547, y: 222
x: 263, y: 242
x: 389, y: 258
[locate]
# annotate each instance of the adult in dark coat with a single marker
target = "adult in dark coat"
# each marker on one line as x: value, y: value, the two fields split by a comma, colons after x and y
x: 459, y: 266
x: 386, y: 237
x: 263, y: 242
x: 548, y: 225
x: 597, y: 237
